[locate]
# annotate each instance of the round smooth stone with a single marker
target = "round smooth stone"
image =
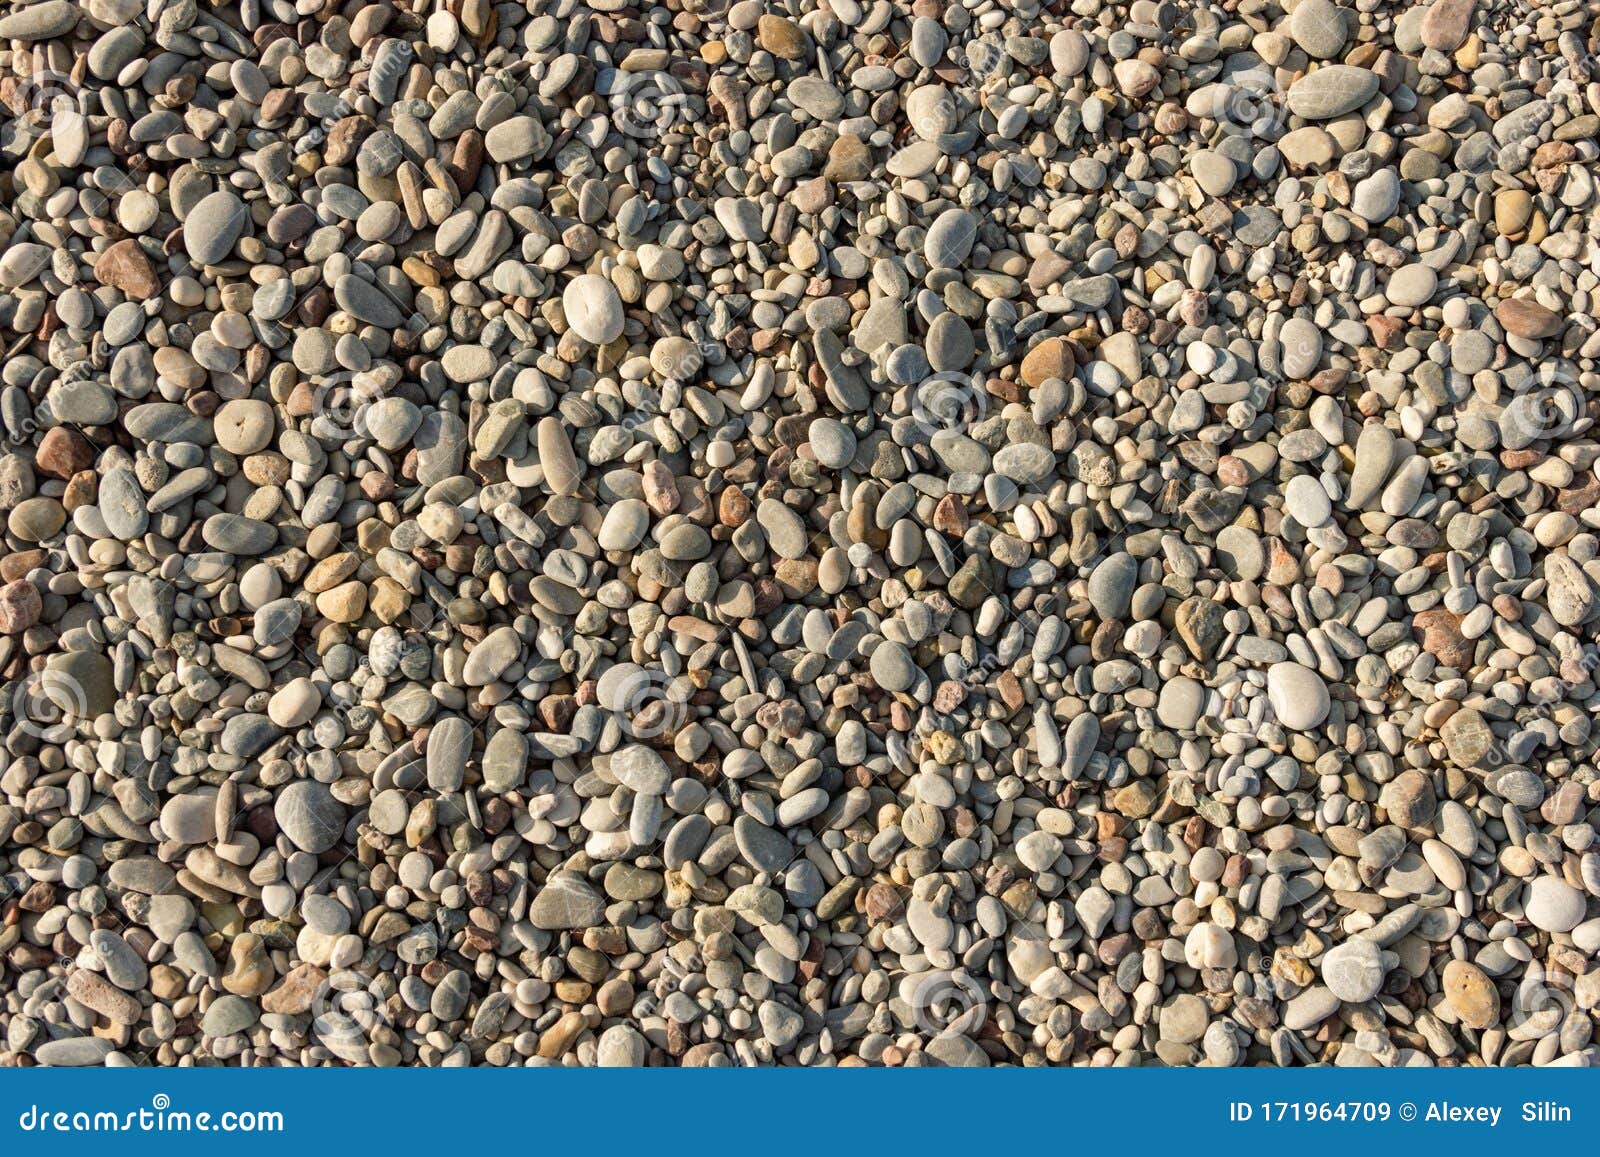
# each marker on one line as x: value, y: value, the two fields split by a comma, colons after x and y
x: 1553, y: 905
x: 593, y: 309
x: 1298, y: 696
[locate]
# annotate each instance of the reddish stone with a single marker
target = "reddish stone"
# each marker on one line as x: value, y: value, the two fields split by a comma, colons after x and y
x: 1383, y: 330
x: 1445, y: 25
x: 1579, y: 498
x: 1233, y: 471
x: 1050, y: 358
x: 733, y: 507
x: 949, y: 696
x: 15, y: 566
x: 1011, y: 693
x: 377, y: 486
x: 20, y: 607
x: 881, y: 902
x: 1441, y: 637
x: 297, y: 991
x: 1525, y: 318
x: 950, y: 515
x: 63, y: 452
x: 124, y: 266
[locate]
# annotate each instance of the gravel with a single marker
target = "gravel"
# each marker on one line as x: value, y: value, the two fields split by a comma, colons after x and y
x: 801, y: 533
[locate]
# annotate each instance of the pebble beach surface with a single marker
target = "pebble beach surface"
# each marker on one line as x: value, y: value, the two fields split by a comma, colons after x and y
x: 805, y: 532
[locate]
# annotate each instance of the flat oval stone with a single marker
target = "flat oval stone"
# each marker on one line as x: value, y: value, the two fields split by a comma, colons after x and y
x: 1525, y: 318
x: 1553, y: 905
x: 786, y: 532
x: 213, y: 226
x: 123, y: 505
x: 309, y: 816
x: 1354, y: 970
x: 1111, y: 585
x: 593, y: 309
x: 1318, y: 27
x: 1025, y: 462
x: 366, y: 302
x: 449, y: 749
x: 764, y: 849
x: 950, y: 238
x: 566, y: 901
x: 1332, y: 91
x: 492, y: 657
x: 641, y: 770
x: 892, y: 666
x: 168, y: 422
x: 1411, y: 285
x: 44, y: 21
x: 1298, y: 696
x: 237, y: 534
x: 1180, y: 703
x: 1306, y: 500
x: 505, y: 761
x: 1301, y: 341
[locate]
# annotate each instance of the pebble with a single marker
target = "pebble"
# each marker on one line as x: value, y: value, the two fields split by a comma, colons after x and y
x: 1307, y: 502
x: 1471, y: 995
x: 1411, y: 285
x: 1553, y: 905
x: 309, y: 817
x: 1445, y: 24
x: 1332, y: 91
x: 1302, y: 347
x: 1318, y: 27
x: 1354, y: 970
x: 821, y: 535
x: 43, y: 21
x: 1298, y: 695
x: 213, y: 226
x: 593, y: 309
